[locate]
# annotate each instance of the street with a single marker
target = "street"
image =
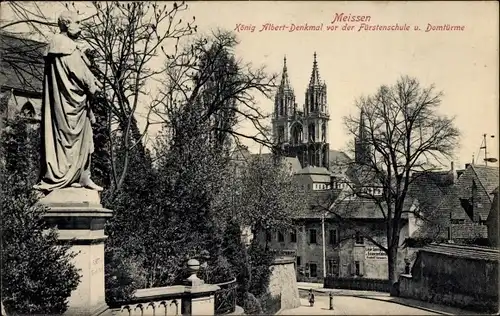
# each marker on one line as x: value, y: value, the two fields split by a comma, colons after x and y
x: 349, y: 305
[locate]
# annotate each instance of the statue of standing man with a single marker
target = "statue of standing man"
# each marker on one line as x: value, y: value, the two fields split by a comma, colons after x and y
x: 67, y: 142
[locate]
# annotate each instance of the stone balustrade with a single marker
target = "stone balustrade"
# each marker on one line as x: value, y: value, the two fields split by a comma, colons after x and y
x: 194, y: 297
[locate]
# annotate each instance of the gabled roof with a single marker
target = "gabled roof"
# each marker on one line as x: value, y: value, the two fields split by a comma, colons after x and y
x: 429, y: 188
x: 337, y: 157
x: 309, y: 170
x: 22, y: 63
x: 317, y: 174
x: 487, y: 177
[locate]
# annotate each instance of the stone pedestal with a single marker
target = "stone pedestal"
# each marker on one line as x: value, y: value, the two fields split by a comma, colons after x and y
x: 80, y: 217
x: 201, y: 297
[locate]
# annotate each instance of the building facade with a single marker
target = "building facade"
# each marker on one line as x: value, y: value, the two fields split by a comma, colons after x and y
x: 323, y: 245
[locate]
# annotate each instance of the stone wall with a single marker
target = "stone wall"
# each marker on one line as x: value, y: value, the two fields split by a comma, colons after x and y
x: 459, y: 276
x: 283, y: 281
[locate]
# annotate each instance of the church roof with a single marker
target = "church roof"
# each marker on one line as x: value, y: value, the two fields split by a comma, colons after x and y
x: 317, y: 174
x: 22, y: 63
x: 338, y: 157
x: 309, y: 170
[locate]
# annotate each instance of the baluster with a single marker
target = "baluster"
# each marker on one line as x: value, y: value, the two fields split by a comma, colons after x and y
x: 127, y: 307
x: 152, y: 304
x: 165, y: 305
x: 176, y: 306
x: 141, y: 308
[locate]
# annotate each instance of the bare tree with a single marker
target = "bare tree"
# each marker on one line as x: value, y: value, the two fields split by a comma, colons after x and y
x: 208, y: 76
x: 123, y: 40
x: 399, y: 133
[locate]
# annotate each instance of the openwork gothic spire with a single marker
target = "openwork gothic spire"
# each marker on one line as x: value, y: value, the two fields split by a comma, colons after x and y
x: 315, y: 79
x: 285, y: 81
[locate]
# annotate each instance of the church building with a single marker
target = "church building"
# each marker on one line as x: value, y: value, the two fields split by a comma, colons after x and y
x: 322, y: 244
x: 302, y: 131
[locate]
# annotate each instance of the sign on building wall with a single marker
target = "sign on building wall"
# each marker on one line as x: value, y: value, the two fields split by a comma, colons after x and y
x: 375, y: 253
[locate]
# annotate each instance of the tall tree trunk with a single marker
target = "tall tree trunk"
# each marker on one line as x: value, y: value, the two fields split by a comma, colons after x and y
x: 392, y: 261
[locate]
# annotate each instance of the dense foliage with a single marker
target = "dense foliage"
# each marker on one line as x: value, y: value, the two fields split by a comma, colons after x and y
x: 37, y: 273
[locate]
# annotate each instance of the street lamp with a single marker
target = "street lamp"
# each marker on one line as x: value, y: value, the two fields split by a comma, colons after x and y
x: 483, y: 146
x: 324, y: 245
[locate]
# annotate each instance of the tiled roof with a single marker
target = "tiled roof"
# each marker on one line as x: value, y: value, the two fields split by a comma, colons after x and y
x: 316, y: 174
x: 429, y: 189
x: 338, y: 157
x: 22, y: 63
x: 314, y: 170
x: 488, y: 176
x: 468, y: 230
x: 459, y: 251
x: 361, y: 208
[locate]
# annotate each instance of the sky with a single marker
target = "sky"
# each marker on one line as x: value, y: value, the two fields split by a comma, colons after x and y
x: 462, y: 63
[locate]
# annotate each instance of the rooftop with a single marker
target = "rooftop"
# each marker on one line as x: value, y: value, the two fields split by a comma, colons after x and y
x: 460, y: 251
x: 487, y: 176
x: 312, y: 170
x: 22, y: 63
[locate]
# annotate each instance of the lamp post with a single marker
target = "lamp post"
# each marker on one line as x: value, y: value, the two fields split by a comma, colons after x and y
x: 484, y: 146
x: 324, y: 244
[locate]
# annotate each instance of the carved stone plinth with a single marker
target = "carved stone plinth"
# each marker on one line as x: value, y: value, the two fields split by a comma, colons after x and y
x: 80, y: 218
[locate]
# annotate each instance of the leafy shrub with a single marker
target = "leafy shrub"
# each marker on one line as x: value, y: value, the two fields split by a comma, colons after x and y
x: 124, y: 275
x: 217, y: 271
x: 270, y: 304
x: 260, y: 262
x: 37, y: 273
x: 251, y: 305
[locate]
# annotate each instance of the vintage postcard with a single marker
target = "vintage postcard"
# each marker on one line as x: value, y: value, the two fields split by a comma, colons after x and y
x: 249, y: 157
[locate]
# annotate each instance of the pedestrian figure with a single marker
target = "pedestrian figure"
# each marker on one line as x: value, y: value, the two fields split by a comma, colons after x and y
x: 311, y: 298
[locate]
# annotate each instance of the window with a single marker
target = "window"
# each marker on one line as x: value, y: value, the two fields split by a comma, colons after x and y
x: 359, y: 239
x: 312, y: 236
x: 313, y: 270
x: 268, y: 236
x: 357, y: 268
x: 298, y: 261
x: 293, y: 236
x: 333, y: 267
x: 333, y: 237
x: 281, y: 237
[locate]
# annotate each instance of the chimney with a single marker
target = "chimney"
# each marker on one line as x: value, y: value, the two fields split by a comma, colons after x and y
x: 453, y: 173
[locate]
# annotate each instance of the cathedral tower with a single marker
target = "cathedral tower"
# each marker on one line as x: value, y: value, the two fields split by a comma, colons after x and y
x: 303, y: 134
x: 361, y: 142
x: 284, y: 108
x: 316, y: 119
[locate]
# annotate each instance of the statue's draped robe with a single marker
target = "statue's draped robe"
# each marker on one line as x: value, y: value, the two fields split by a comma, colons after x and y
x: 66, y: 130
